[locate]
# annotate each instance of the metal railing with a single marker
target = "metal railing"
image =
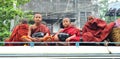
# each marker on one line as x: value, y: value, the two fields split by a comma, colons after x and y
x: 107, y: 51
x: 74, y: 43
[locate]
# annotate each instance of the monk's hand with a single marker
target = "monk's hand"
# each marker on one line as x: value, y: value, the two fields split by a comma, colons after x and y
x: 34, y: 39
x: 40, y: 39
x: 68, y: 39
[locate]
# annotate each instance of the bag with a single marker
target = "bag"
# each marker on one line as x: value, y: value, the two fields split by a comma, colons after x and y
x: 38, y: 35
x: 63, y: 36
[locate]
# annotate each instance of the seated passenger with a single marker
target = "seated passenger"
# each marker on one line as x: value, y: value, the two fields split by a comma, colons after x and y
x: 96, y: 30
x: 38, y: 31
x: 18, y: 33
x: 68, y: 33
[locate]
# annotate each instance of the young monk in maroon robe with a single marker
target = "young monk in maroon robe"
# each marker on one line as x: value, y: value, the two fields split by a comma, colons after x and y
x: 38, y: 27
x: 74, y: 32
x: 96, y: 30
x: 18, y: 32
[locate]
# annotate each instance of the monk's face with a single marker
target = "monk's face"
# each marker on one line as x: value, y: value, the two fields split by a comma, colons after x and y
x: 90, y: 18
x: 66, y: 22
x: 37, y: 18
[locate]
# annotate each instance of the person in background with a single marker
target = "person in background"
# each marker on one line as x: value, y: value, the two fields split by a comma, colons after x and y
x: 18, y: 33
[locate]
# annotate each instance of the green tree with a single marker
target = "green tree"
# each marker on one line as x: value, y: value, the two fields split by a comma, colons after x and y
x: 103, y: 8
x: 9, y: 10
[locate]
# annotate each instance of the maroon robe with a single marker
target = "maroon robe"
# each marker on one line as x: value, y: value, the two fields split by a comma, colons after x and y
x: 18, y: 32
x: 40, y: 28
x: 96, y: 30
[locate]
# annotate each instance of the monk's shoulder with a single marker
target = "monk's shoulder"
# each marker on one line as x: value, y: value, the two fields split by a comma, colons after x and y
x: 75, y: 29
x: 78, y: 28
x: 43, y: 25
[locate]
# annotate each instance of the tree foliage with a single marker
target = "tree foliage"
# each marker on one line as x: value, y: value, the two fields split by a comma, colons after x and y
x: 9, y: 10
x: 103, y: 6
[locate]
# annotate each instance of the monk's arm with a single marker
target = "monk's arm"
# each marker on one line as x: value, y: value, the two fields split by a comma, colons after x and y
x: 56, y: 35
x: 69, y: 38
x: 47, y: 34
x: 29, y: 33
x: 59, y: 32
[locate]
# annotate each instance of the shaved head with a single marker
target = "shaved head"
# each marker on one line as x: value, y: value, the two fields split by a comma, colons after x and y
x: 37, y: 14
x: 37, y: 18
x: 66, y: 22
x: 68, y: 19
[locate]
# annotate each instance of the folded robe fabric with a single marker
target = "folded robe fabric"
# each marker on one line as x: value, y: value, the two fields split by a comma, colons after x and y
x: 41, y: 28
x: 18, y: 32
x: 96, y: 30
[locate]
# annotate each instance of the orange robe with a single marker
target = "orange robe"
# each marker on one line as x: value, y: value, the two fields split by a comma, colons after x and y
x: 18, y: 32
x: 71, y: 30
x: 96, y: 30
